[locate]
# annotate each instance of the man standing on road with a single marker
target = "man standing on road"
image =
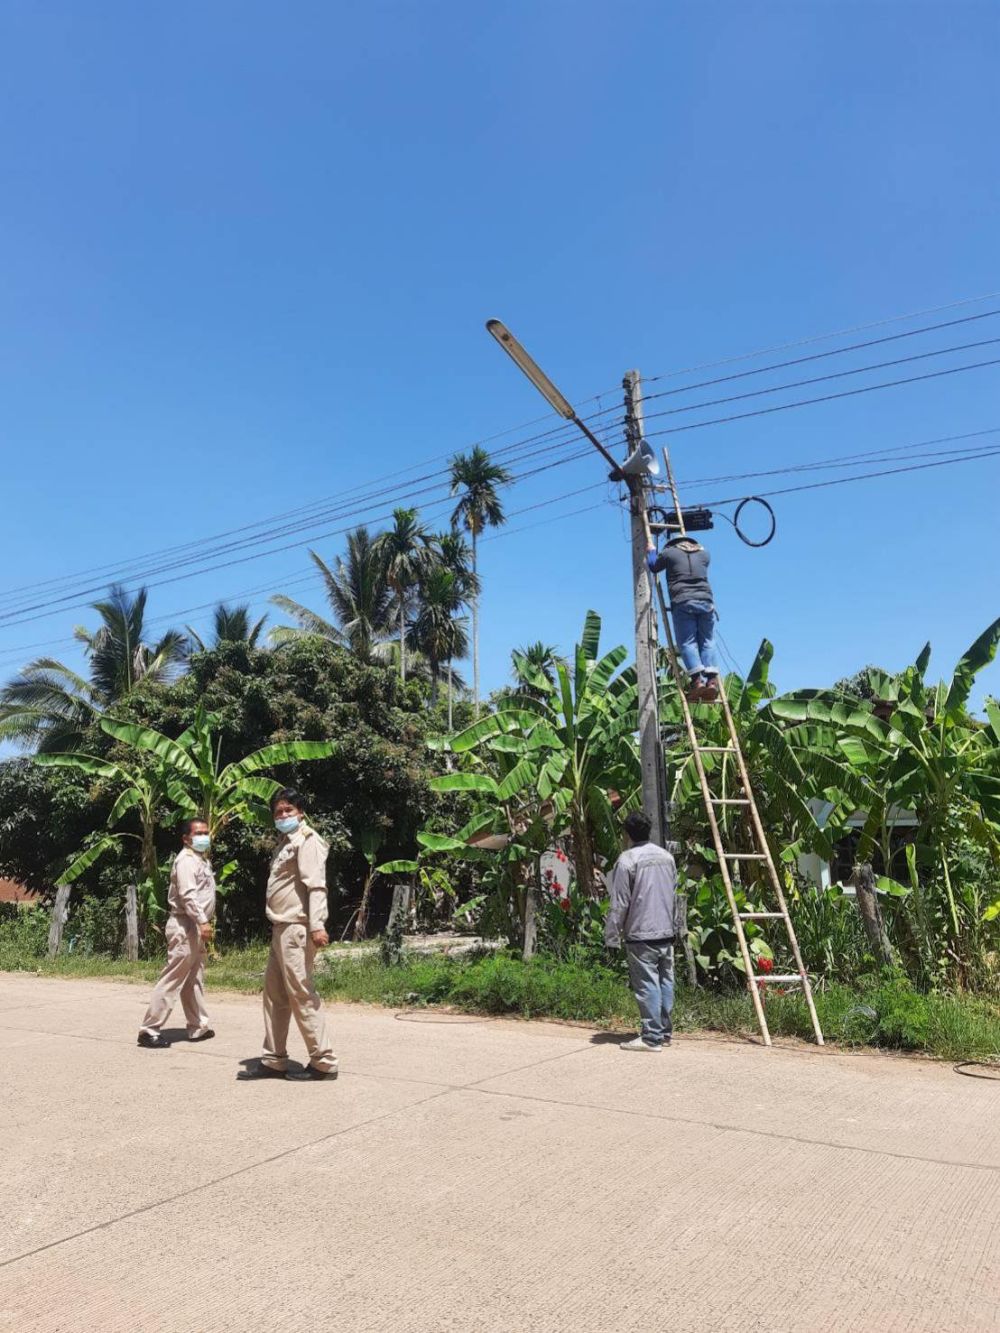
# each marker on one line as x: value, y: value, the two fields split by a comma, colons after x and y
x: 191, y: 902
x: 296, y: 908
x: 643, y: 913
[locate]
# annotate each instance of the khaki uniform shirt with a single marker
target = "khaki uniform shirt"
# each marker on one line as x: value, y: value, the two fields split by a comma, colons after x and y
x: 296, y: 887
x: 192, y: 886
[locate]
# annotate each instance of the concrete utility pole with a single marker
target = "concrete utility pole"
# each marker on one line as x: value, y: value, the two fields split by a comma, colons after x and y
x: 646, y: 638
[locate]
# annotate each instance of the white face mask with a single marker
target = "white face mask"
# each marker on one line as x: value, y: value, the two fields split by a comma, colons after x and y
x: 287, y: 825
x: 201, y: 842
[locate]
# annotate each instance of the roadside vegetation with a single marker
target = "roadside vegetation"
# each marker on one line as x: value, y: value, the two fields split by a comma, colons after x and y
x: 499, y: 817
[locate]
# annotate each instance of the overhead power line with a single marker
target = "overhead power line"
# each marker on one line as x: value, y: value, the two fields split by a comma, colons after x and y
x: 174, y: 617
x: 861, y: 476
x: 123, y: 571
x: 823, y: 398
x: 327, y: 508
x: 816, y: 356
x: 822, y: 379
x: 555, y: 454
x: 822, y: 337
x: 845, y: 460
x: 41, y: 610
x: 177, y: 616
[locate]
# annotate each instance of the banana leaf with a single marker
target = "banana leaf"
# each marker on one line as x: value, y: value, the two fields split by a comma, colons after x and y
x: 142, y: 738
x: 286, y: 752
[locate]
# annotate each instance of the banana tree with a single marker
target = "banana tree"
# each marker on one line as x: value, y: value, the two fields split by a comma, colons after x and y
x: 198, y: 783
x: 510, y: 828
x: 544, y: 763
x: 916, y: 748
x: 793, y: 773
x: 144, y: 789
x: 175, y: 778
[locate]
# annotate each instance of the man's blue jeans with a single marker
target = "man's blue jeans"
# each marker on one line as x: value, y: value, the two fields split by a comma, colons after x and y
x: 651, y: 975
x: 694, y: 626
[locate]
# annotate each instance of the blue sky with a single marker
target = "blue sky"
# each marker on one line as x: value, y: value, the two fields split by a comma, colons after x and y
x: 249, y: 254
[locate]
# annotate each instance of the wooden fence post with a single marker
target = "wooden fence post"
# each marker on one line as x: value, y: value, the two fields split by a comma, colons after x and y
x: 131, y: 924
x: 532, y: 892
x: 60, y: 911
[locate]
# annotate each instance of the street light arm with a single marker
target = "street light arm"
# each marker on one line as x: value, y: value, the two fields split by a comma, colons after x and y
x: 543, y: 384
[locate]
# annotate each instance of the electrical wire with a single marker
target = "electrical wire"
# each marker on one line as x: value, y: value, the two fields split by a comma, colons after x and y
x: 966, y: 456
x: 845, y: 460
x: 823, y: 398
x: 822, y: 337
x: 358, y: 499
x: 861, y: 476
x: 149, y: 577
x: 301, y: 580
x: 821, y: 379
x: 535, y: 445
x: 321, y: 506
x: 816, y: 356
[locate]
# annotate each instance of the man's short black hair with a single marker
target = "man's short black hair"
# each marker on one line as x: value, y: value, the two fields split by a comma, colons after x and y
x: 290, y: 795
x: 186, y: 825
x: 637, y: 826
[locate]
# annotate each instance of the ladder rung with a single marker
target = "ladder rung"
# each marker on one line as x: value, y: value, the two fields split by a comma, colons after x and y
x: 730, y: 800
x: 744, y: 856
x: 762, y: 916
x: 717, y: 749
x: 784, y: 980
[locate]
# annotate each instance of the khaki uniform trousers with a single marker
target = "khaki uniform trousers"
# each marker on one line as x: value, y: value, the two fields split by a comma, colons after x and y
x: 183, y: 976
x: 289, y: 989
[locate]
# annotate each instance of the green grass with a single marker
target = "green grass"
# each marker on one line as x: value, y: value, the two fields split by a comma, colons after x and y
x: 887, y: 1014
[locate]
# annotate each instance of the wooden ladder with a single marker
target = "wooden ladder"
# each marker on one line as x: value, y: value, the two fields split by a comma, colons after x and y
x: 730, y: 858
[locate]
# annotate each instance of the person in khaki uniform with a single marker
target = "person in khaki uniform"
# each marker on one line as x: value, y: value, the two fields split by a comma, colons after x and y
x: 191, y: 902
x: 296, y: 908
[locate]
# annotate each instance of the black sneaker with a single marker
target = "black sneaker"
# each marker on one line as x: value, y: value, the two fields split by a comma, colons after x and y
x: 153, y: 1041
x: 207, y: 1035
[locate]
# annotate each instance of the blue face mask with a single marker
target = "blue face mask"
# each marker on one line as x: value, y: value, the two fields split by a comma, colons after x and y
x: 287, y: 825
x: 201, y: 842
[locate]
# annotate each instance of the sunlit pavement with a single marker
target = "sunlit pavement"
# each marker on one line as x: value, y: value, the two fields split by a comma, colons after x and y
x: 472, y: 1174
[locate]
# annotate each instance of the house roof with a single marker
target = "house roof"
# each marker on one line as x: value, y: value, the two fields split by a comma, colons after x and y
x: 12, y: 892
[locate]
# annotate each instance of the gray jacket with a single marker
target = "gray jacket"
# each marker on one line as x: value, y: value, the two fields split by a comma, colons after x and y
x: 686, y: 563
x: 643, y: 896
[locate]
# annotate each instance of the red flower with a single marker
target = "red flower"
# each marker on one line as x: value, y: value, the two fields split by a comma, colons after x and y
x: 765, y: 964
x: 564, y: 904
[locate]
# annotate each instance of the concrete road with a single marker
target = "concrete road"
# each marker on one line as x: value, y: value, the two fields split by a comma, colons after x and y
x: 465, y: 1174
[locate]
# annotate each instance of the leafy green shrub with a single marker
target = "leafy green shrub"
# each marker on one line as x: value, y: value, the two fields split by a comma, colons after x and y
x: 24, y: 934
x: 96, y: 926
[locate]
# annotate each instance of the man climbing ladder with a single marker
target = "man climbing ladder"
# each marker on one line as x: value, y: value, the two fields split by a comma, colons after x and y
x: 692, y: 606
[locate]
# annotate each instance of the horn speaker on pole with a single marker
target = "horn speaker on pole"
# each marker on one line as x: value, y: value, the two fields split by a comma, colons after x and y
x: 641, y: 462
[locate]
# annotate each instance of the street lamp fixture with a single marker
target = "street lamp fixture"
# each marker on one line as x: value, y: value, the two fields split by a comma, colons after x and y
x: 543, y: 384
x: 534, y: 372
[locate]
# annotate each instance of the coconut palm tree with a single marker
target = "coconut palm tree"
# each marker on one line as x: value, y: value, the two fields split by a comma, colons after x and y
x: 231, y: 624
x: 360, y: 598
x: 475, y: 478
x: 47, y: 706
x: 407, y: 552
x: 435, y: 631
x: 535, y: 659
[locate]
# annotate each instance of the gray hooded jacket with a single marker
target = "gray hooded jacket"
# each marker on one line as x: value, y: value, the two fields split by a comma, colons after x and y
x: 643, y: 896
